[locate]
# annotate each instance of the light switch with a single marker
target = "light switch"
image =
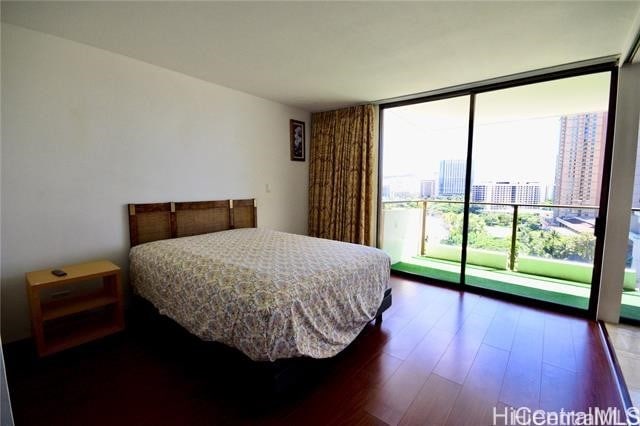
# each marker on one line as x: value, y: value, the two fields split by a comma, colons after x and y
x: 267, y: 188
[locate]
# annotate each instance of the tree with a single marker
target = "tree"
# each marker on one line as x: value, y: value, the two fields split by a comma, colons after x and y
x: 532, y: 238
x: 477, y: 231
x: 446, y: 207
x: 530, y: 221
x: 582, y: 247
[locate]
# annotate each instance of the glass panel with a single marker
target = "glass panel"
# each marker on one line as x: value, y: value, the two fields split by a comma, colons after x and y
x: 423, y: 183
x: 538, y: 153
x: 630, y: 308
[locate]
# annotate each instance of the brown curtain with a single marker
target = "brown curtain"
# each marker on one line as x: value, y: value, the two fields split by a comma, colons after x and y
x: 341, y: 173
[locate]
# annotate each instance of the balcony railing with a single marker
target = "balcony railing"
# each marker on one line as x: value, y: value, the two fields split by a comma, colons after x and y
x: 559, y: 220
x: 512, y: 264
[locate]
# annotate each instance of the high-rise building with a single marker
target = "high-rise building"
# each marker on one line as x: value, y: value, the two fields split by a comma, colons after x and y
x: 507, y: 193
x: 427, y: 188
x: 580, y: 160
x: 451, y: 177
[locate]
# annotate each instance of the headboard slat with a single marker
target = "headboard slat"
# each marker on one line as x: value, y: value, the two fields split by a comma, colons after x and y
x: 244, y: 213
x: 158, y: 221
x: 150, y: 222
x: 195, y: 218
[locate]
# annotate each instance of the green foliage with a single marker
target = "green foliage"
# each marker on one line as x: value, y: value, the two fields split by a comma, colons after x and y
x: 551, y: 244
x: 498, y: 219
x: 530, y: 221
x: 454, y: 221
x: 532, y: 238
x: 446, y: 207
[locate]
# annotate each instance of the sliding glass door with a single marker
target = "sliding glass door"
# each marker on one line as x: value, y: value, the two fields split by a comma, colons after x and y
x: 630, y: 301
x: 423, y: 186
x: 538, y: 161
x: 500, y: 187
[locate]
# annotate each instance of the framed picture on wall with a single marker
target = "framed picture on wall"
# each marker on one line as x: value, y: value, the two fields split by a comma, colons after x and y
x: 296, y: 136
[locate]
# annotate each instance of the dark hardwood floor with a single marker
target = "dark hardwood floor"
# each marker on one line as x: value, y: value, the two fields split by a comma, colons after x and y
x: 439, y: 357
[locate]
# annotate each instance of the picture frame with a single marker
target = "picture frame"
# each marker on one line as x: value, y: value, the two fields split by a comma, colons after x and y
x: 297, y: 140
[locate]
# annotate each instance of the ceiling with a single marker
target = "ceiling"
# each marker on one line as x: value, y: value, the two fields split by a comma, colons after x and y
x: 323, y: 55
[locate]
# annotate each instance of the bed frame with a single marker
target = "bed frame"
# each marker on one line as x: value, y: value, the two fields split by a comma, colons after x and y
x: 160, y: 221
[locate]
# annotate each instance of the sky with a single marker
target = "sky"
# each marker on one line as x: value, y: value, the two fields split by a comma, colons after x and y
x: 515, y: 138
x: 524, y: 150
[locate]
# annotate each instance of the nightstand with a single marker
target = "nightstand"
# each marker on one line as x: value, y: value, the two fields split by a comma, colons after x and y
x: 63, y: 323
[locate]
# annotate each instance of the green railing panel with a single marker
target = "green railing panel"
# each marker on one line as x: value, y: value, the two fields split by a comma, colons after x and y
x: 479, y: 257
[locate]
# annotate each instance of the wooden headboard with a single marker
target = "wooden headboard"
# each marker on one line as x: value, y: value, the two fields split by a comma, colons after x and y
x: 160, y: 221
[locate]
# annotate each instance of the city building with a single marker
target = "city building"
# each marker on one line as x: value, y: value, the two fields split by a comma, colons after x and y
x: 451, y: 177
x: 507, y: 193
x: 580, y: 161
x: 427, y: 188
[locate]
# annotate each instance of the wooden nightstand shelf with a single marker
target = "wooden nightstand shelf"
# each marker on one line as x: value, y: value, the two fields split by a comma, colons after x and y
x: 71, y: 321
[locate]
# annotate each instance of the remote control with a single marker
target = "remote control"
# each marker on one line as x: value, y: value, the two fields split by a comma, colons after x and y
x: 58, y: 272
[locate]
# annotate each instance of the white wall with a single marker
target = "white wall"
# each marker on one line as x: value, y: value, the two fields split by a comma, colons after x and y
x: 620, y: 192
x: 86, y: 131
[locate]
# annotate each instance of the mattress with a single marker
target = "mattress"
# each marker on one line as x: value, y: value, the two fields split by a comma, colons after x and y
x: 270, y: 294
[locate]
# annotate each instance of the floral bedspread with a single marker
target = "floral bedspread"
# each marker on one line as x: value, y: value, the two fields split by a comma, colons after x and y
x: 270, y: 294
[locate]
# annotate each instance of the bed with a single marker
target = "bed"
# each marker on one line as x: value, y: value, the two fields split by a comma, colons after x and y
x: 269, y: 294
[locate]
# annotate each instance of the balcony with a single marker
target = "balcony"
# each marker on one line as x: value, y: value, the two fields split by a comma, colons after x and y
x: 543, y: 252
